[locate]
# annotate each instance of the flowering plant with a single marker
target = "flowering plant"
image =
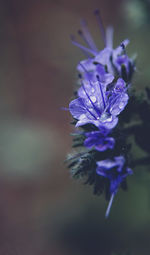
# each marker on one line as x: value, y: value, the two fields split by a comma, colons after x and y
x: 103, y: 112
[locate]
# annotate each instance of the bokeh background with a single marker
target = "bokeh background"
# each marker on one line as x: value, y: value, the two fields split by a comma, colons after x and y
x: 42, y: 210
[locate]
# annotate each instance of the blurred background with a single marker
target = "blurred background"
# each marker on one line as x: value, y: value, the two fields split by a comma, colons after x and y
x: 42, y: 210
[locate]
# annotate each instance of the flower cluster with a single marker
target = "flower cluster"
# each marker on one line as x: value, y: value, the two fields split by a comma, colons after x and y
x: 104, y: 78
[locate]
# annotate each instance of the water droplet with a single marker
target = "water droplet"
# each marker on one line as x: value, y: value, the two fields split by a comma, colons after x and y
x: 109, y: 119
x: 103, y: 117
x: 93, y: 99
x: 106, y: 118
x: 121, y: 105
x: 82, y: 116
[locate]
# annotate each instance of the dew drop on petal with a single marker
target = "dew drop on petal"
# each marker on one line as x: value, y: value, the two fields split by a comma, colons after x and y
x: 93, y: 99
x: 106, y: 118
x: 109, y: 119
x: 121, y: 105
x: 82, y: 116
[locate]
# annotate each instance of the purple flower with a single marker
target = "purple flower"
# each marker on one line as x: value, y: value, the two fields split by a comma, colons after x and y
x: 101, y: 97
x: 122, y: 60
x: 115, y: 172
x: 90, y: 70
x: 113, y: 59
x: 99, y: 140
x: 97, y: 106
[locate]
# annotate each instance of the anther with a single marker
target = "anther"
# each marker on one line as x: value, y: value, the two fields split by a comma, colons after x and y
x: 99, y: 20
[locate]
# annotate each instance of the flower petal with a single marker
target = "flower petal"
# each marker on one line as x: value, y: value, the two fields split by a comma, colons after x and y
x: 77, y: 108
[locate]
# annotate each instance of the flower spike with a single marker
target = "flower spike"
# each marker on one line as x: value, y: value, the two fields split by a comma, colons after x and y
x: 100, y: 98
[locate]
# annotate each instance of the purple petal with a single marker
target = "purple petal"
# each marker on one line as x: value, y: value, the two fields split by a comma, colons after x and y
x: 85, y: 121
x: 87, y: 64
x: 120, y: 160
x: 119, y: 49
x: 120, y: 86
x: 91, y: 92
x: 118, y: 104
x: 103, y: 57
x: 99, y: 141
x: 89, y: 142
x: 109, y: 123
x: 105, y: 164
x: 104, y: 77
x: 77, y: 108
x: 107, y: 143
x: 114, y: 185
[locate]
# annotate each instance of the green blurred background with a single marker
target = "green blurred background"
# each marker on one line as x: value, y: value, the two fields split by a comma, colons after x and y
x: 42, y: 210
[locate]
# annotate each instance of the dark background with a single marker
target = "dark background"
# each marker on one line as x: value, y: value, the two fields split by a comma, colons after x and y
x: 42, y: 210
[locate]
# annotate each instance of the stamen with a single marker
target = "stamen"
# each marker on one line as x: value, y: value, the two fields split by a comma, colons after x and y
x: 81, y: 34
x: 81, y: 46
x: 104, y: 104
x: 99, y: 20
x: 88, y: 36
x: 83, y: 68
x: 109, y: 205
x: 109, y: 37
